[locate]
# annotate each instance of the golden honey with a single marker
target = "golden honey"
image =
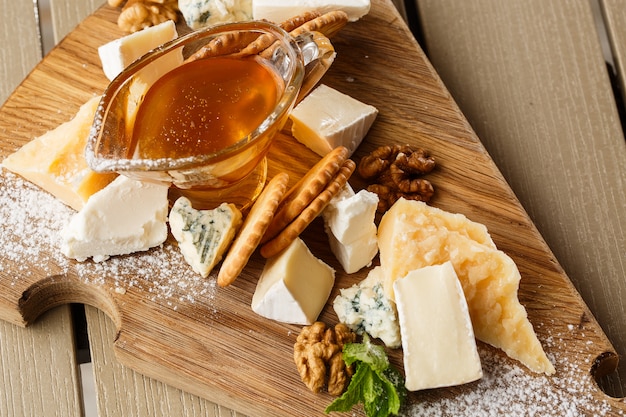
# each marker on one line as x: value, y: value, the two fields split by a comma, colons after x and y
x: 204, y: 106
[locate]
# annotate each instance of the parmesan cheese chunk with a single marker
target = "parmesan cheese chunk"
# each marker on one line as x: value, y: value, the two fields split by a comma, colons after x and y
x: 327, y: 118
x: 55, y: 161
x: 438, y: 343
x: 413, y: 235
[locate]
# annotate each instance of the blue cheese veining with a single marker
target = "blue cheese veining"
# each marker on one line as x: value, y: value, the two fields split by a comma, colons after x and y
x: 201, y: 13
x: 365, y: 308
x: 203, y: 235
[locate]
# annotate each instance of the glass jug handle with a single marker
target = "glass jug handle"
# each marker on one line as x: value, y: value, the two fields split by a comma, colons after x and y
x: 318, y: 55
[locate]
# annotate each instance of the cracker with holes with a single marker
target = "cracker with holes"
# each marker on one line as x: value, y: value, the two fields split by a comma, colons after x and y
x: 305, y: 190
x: 253, y: 228
x: 309, y: 213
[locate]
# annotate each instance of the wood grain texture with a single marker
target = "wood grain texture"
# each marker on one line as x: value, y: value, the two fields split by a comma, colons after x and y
x: 121, y: 391
x: 615, y: 22
x: 21, y: 47
x: 531, y: 79
x: 39, y: 359
x: 174, y: 327
x: 67, y: 14
x: 42, y: 355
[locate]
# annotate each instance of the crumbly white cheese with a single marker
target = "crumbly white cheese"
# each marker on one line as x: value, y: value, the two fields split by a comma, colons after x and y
x: 438, y: 344
x: 294, y: 286
x: 349, y: 224
x: 279, y: 11
x: 119, y: 53
x: 365, y: 308
x: 124, y: 217
x: 203, y: 235
x: 327, y: 118
x: 201, y: 13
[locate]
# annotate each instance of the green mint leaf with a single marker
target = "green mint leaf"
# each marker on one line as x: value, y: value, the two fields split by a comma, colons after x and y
x: 366, y: 352
x: 375, y: 383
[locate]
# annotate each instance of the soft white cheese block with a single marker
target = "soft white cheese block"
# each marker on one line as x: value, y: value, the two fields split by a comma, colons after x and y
x: 349, y: 225
x: 203, y: 235
x: 294, y: 286
x: 327, y: 118
x: 201, y: 13
x: 349, y: 216
x: 357, y: 254
x: 364, y: 307
x: 124, y: 217
x: 439, y: 348
x: 279, y: 11
x: 119, y: 53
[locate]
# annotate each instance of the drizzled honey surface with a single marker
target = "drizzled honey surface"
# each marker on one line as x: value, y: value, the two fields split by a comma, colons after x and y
x: 204, y: 106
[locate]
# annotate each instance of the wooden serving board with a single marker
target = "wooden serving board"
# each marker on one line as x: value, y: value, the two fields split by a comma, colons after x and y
x: 183, y: 330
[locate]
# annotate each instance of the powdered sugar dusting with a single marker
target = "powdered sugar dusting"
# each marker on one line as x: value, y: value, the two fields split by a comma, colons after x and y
x: 30, y: 244
x: 508, y: 389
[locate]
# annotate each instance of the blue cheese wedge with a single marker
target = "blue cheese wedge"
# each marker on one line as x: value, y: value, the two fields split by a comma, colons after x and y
x: 349, y: 225
x: 119, y: 53
x: 294, y: 286
x: 201, y: 13
x: 203, y: 235
x: 279, y: 11
x: 365, y: 308
x: 124, y: 217
x: 327, y: 118
x: 439, y: 349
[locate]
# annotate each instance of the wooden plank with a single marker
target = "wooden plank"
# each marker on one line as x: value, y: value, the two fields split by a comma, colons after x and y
x: 67, y: 14
x: 615, y: 23
x: 531, y: 79
x: 205, y: 340
x: 21, y: 47
x: 38, y: 369
x: 121, y: 391
x: 42, y: 355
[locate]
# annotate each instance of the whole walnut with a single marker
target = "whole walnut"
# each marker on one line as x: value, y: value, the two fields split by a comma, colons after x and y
x: 319, y: 358
x: 140, y: 14
x: 396, y: 171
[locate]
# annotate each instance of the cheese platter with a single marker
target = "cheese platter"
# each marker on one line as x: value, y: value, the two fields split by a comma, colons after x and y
x: 183, y: 329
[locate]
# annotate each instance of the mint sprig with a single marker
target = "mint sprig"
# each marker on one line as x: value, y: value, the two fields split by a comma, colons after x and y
x: 376, y: 384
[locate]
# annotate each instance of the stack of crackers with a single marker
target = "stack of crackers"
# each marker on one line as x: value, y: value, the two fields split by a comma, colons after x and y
x: 280, y: 215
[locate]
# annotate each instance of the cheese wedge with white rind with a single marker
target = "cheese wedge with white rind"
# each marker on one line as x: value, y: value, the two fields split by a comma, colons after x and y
x: 438, y: 345
x: 294, y: 286
x: 413, y: 235
x: 55, y: 160
x: 279, y: 11
x: 124, y: 217
x: 120, y: 53
x: 203, y: 235
x: 327, y: 118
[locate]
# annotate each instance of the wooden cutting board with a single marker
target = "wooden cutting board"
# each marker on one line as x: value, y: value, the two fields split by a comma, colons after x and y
x: 183, y: 330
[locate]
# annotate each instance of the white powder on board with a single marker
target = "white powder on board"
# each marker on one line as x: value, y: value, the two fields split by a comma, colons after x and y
x: 507, y: 389
x: 30, y: 241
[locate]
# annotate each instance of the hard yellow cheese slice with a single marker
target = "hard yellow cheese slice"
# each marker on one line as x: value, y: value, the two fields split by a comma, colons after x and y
x: 413, y: 235
x: 55, y: 161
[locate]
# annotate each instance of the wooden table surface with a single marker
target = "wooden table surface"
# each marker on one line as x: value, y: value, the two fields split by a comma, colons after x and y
x: 49, y: 343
